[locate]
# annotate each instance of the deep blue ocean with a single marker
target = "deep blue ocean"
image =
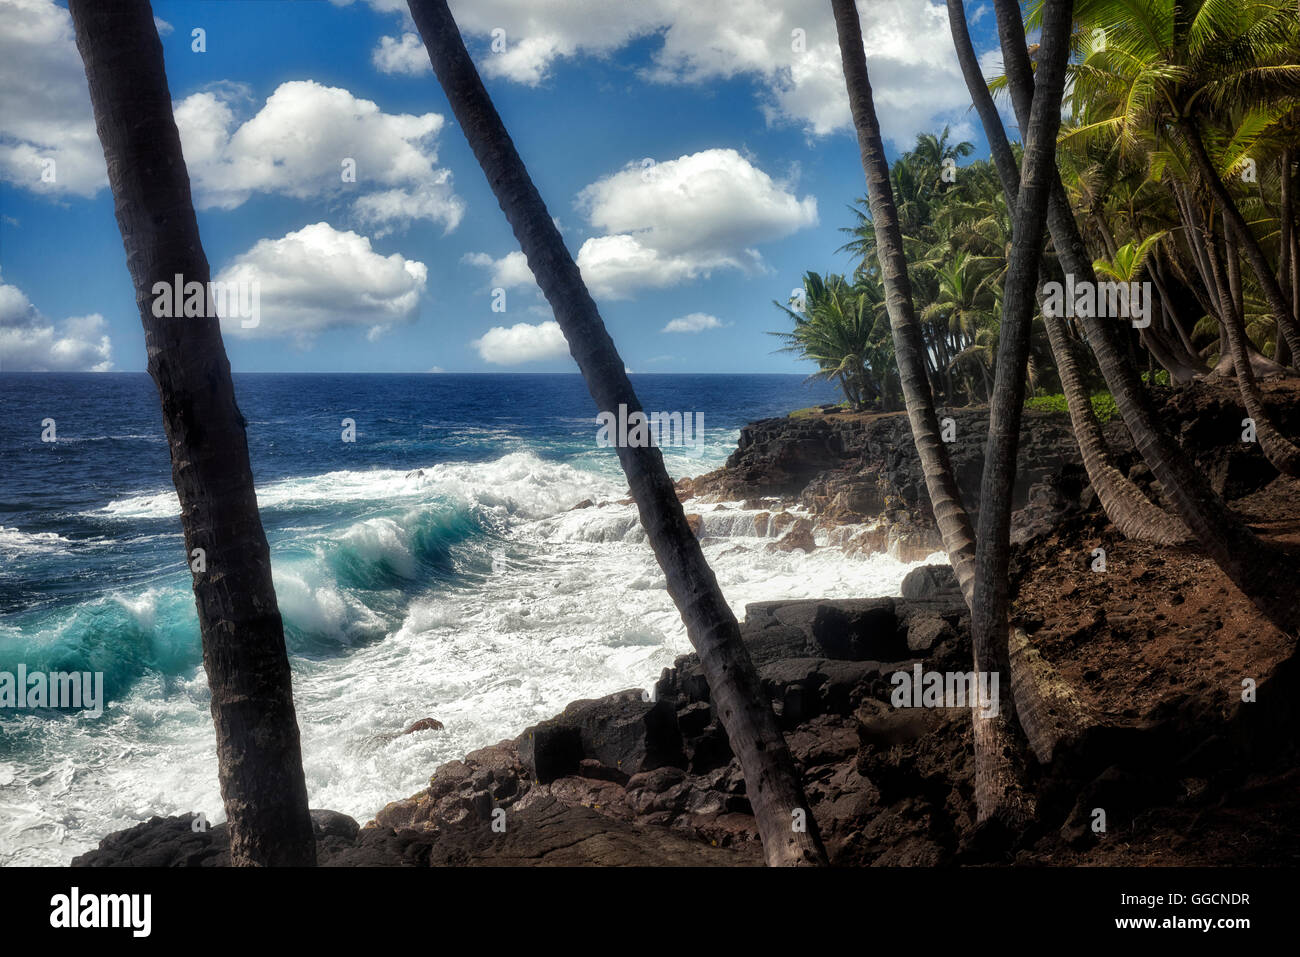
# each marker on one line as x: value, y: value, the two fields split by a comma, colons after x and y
x: 432, y: 568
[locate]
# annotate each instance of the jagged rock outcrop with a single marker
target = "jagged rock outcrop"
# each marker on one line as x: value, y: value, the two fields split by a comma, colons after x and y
x: 862, y: 471
x: 860, y: 478
x: 650, y: 779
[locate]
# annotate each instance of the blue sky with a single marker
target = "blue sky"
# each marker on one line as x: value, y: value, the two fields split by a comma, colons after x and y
x: 740, y: 107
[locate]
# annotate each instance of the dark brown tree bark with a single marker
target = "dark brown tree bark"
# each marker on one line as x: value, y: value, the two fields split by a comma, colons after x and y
x: 258, y: 753
x: 1126, y: 506
x: 909, y: 347
x: 1237, y: 225
x: 989, y: 613
x: 1286, y: 214
x: 789, y: 832
x: 998, y: 792
x: 1262, y: 573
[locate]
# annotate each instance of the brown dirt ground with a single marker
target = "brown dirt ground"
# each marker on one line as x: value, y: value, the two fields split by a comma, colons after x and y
x: 1160, y: 623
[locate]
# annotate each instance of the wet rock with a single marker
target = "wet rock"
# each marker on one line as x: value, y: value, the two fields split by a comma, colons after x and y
x: 162, y: 842
x: 925, y: 632
x: 800, y: 537
x: 856, y: 468
x: 424, y: 724
x: 334, y: 824
x: 622, y: 731
x: 931, y: 582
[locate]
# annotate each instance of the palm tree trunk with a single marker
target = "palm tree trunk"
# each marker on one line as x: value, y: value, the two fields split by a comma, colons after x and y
x: 1279, y: 451
x: 772, y: 783
x: 258, y: 753
x: 1232, y: 261
x: 1294, y: 359
x: 1282, y: 351
x: 1166, y: 351
x: 1263, y: 573
x: 909, y: 347
x: 1045, y: 712
x: 1220, y: 289
x: 1190, y: 359
x: 1237, y: 225
x: 1196, y: 242
x: 989, y: 613
x: 998, y: 794
x: 1103, y: 230
x: 1128, y: 509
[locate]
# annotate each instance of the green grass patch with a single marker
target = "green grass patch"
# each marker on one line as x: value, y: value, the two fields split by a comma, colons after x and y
x: 813, y: 410
x: 1103, y: 405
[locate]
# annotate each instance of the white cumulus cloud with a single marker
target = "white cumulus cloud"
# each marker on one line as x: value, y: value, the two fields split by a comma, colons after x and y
x: 406, y: 55
x: 45, y: 109
x: 301, y: 142
x: 31, y: 343
x: 693, y: 322
x: 509, y: 272
x: 522, y: 343
x: 788, y: 47
x: 320, y: 278
x: 680, y: 219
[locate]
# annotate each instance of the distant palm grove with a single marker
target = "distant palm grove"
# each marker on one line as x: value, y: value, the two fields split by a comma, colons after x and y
x: 1182, y: 128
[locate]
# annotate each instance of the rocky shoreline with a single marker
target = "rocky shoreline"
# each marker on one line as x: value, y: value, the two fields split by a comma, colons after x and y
x: 633, y: 779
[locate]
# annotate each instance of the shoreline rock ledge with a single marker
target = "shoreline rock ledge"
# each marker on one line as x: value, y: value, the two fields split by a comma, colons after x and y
x: 639, y: 779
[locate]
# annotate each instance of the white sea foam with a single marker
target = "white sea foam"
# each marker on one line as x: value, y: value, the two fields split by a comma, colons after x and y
x: 561, y: 604
x: 15, y: 542
x: 519, y: 484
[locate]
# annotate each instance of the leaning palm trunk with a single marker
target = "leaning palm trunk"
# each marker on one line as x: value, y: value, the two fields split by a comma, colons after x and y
x: 1048, y: 712
x: 1237, y: 225
x: 909, y: 348
x: 1286, y: 214
x: 1225, y: 274
x: 1128, y: 509
x: 1279, y: 450
x: 788, y: 830
x: 997, y: 790
x: 989, y: 613
x: 258, y: 753
x: 1264, y: 574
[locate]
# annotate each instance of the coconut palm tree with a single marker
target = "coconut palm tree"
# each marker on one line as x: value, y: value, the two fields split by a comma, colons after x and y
x: 259, y: 758
x: 886, y: 241
x: 786, y: 824
x: 1262, y: 573
x: 1169, y: 68
x: 966, y: 307
x: 998, y: 790
x: 989, y: 610
x: 956, y: 235
x: 839, y: 327
x: 1128, y: 509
